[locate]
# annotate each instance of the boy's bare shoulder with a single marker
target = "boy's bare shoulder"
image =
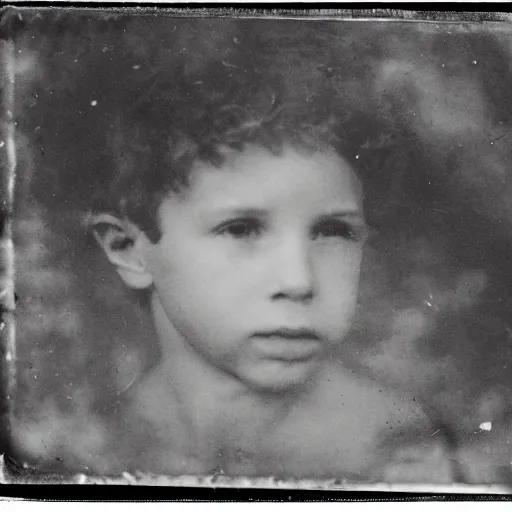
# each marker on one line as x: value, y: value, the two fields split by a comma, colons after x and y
x: 352, y: 426
x: 371, y: 402
x: 379, y: 431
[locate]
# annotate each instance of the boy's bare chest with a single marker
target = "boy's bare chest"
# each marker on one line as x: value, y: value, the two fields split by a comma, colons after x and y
x: 305, y: 446
x: 328, y: 445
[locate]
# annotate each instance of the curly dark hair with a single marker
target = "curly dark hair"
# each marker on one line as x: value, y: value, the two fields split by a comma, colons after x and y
x: 177, y: 123
x: 180, y: 120
x: 155, y: 96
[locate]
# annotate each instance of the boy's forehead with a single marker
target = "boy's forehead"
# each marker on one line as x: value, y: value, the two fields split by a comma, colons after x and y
x: 256, y: 174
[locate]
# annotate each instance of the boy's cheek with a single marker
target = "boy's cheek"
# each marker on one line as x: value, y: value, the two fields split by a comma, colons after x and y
x: 339, y: 310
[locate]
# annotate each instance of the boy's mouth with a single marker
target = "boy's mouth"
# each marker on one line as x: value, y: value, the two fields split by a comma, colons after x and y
x: 287, y: 344
x: 290, y: 333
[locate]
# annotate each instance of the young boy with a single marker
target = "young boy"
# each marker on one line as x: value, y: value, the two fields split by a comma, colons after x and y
x: 240, y: 216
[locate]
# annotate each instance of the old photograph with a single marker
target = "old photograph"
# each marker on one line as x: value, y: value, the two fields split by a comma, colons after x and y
x: 258, y: 247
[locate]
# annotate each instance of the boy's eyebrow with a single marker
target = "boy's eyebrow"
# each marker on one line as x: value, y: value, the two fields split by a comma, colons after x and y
x: 355, y: 213
x: 259, y: 212
x: 350, y: 213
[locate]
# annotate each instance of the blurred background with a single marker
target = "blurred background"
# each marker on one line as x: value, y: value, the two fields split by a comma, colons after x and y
x: 435, y: 314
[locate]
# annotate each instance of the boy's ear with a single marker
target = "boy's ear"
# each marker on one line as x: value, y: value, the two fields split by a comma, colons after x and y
x: 123, y: 243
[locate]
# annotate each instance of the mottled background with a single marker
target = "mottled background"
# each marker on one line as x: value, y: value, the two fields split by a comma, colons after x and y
x: 436, y: 307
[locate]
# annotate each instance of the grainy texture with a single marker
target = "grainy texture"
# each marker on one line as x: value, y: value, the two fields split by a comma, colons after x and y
x: 7, y: 175
x: 435, y: 299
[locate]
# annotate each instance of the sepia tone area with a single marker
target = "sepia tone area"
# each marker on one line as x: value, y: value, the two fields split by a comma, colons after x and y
x: 434, y: 316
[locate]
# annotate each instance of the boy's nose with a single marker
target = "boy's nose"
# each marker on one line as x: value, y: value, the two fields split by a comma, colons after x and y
x: 294, y: 278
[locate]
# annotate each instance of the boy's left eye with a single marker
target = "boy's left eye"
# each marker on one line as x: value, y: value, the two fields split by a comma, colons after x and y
x: 329, y: 228
x: 240, y: 228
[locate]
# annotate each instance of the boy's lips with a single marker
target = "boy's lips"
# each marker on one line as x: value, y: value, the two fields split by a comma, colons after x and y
x: 287, y: 344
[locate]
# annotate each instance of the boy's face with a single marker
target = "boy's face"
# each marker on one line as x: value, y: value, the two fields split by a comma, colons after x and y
x: 258, y: 266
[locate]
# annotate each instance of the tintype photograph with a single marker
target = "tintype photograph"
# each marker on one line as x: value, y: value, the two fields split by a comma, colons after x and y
x: 257, y: 247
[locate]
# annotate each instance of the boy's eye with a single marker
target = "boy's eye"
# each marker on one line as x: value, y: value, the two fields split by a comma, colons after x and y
x: 241, y: 228
x: 338, y: 228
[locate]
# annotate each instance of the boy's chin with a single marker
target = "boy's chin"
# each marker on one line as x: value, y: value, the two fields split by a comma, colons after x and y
x: 277, y: 376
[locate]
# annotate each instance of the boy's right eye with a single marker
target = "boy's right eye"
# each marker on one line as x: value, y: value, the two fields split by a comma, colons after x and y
x: 240, y: 228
